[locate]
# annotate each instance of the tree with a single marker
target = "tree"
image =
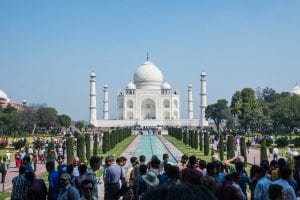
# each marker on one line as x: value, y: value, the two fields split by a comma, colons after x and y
x: 79, y: 125
x: 51, y: 151
x: 206, y: 144
x: 245, y: 108
x: 243, y: 149
x: 230, y: 147
x: 70, y: 150
x: 64, y: 120
x: 80, y: 148
x: 95, y: 146
x: 218, y: 112
x: 221, y: 146
x: 263, y: 150
x: 201, y: 141
x: 88, y: 146
x: 47, y: 117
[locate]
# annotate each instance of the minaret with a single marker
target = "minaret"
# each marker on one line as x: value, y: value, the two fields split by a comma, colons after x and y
x: 190, y: 102
x: 93, y: 106
x: 105, y: 102
x: 203, y: 100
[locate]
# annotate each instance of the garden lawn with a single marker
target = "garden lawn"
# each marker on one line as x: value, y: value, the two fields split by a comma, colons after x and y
x: 185, y: 149
x: 116, y: 151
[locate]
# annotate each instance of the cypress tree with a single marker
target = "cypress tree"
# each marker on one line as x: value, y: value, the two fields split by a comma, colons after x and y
x: 51, y: 151
x: 196, y: 139
x: 201, y: 141
x: 230, y: 147
x: 206, y: 144
x: 190, y: 138
x: 80, y: 148
x: 88, y: 146
x: 70, y: 150
x: 263, y: 150
x: 243, y: 149
x: 95, y: 146
x: 221, y: 146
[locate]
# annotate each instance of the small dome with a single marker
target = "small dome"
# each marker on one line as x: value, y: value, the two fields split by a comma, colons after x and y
x: 148, y: 76
x: 295, y: 90
x: 190, y: 85
x: 93, y: 75
x: 203, y: 74
x: 105, y: 86
x: 3, y: 96
x: 130, y: 86
x: 166, y: 86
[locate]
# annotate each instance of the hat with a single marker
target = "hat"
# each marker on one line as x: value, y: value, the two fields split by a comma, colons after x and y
x: 65, y: 176
x: 151, y: 179
x: 215, y: 158
x: 240, y: 159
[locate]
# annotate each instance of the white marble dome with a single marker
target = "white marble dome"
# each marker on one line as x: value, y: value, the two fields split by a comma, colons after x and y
x: 166, y: 86
x: 3, y: 96
x: 295, y: 90
x: 148, y: 76
x: 130, y: 86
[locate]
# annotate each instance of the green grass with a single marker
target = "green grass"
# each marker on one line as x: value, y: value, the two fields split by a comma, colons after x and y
x: 185, y: 149
x: 116, y: 151
x: 4, y: 195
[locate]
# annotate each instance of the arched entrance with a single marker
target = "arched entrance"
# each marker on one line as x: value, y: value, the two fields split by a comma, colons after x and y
x: 148, y: 109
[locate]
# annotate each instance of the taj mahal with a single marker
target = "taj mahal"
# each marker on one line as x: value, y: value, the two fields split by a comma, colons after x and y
x: 148, y: 101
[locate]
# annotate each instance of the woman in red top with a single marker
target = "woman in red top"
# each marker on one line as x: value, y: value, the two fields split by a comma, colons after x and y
x: 18, y: 159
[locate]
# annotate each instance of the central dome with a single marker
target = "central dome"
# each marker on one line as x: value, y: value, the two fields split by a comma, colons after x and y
x: 3, y: 96
x: 148, y: 76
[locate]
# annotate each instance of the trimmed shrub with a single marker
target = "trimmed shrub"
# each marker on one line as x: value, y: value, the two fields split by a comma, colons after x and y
x: 282, y: 142
x: 296, y: 141
x: 51, y: 152
x: 201, y: 141
x: 70, y: 150
x: 221, y: 146
x: 80, y: 148
x: 19, y: 143
x: 269, y: 141
x: 230, y: 147
x: 95, y: 146
x: 243, y: 148
x: 87, y: 146
x: 206, y: 144
x: 263, y: 150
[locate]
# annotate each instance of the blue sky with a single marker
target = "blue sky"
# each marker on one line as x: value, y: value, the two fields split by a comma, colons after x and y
x: 49, y: 48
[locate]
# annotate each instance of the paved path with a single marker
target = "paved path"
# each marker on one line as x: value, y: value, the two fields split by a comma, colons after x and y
x: 13, y: 171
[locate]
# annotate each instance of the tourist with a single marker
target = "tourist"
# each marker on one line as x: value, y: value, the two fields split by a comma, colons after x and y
x: 202, y: 167
x: 173, y: 174
x: 76, y: 181
x: 190, y: 175
x: 87, y: 187
x: 252, y: 180
x: 130, y: 175
x: 8, y: 156
x: 18, y: 159
x: 287, y: 190
x: 95, y: 164
x: 226, y: 191
x: 30, y: 150
x: 112, y: 176
x: 236, y: 180
x: 34, y: 160
x: 37, y: 189
x: 182, y: 164
x: 275, y: 192
x: 262, y: 185
x: 53, y: 179
x: 4, y: 168
x: 62, y: 166
x: 67, y: 192
x: 275, y: 153
x: 141, y: 186
x: 239, y: 166
x: 154, y: 165
x: 26, y: 162
x: 22, y: 154
x: 75, y: 163
x: 42, y: 155
x: 20, y: 185
x: 164, y: 162
x: 136, y: 169
x: 129, y: 194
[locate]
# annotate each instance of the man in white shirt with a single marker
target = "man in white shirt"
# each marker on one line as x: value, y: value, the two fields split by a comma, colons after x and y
x: 275, y: 153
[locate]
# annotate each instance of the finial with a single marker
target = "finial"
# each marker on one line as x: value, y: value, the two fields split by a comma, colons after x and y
x: 147, y: 56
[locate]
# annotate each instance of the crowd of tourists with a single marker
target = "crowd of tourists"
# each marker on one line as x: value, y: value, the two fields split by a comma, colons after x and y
x: 191, y: 178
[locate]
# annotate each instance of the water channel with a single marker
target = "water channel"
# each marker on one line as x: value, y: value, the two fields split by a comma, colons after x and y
x: 151, y: 145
